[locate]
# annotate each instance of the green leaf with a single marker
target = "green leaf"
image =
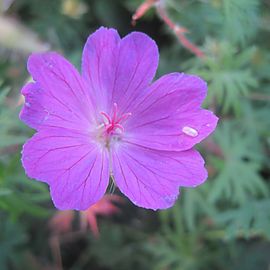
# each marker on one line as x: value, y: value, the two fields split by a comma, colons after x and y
x: 238, y: 16
x: 238, y: 169
x: 228, y: 73
x: 249, y: 220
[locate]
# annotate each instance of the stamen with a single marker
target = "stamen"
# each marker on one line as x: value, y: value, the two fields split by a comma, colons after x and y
x: 119, y: 127
x: 108, y: 118
x: 124, y: 117
x: 112, y: 124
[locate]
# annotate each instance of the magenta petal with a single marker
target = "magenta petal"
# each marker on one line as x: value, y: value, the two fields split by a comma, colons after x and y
x: 33, y: 113
x: 171, y: 109
x: 136, y: 67
x: 118, y: 71
x: 151, y: 179
x: 99, y: 64
x: 76, y: 170
x: 58, y: 97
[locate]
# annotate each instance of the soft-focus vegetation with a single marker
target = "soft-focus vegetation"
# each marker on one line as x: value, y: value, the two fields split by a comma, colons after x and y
x: 223, y: 224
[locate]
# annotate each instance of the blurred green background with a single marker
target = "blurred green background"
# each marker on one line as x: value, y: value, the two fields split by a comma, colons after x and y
x: 223, y: 224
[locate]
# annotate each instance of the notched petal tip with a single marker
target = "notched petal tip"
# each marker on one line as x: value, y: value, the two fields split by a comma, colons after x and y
x: 140, y: 38
x: 104, y: 30
x: 101, y: 35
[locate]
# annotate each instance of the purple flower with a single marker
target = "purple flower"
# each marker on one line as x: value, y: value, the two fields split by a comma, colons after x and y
x: 112, y: 121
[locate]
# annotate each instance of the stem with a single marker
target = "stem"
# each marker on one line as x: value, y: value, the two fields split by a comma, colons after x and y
x: 178, y: 30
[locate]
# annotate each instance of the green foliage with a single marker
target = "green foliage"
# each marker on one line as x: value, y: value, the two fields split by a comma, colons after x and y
x: 238, y: 16
x: 228, y: 73
x: 11, y: 238
x: 18, y: 195
x: 177, y: 249
x: 195, y: 206
x: 255, y: 122
x: 238, y: 168
x: 10, y: 132
x: 251, y: 219
x: 116, y: 249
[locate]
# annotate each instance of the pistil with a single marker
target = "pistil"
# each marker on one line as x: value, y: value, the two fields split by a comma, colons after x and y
x: 112, y: 124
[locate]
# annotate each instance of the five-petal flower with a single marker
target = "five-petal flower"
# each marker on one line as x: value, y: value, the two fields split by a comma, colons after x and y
x: 111, y: 121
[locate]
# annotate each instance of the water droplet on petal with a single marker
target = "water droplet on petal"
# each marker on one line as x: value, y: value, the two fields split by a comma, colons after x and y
x: 192, y: 132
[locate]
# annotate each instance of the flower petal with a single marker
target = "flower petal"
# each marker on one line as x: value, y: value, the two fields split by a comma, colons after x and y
x: 136, y: 67
x: 151, y: 178
x: 98, y: 64
x: 170, y: 117
x: 76, y: 169
x: 118, y: 70
x: 58, y: 97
